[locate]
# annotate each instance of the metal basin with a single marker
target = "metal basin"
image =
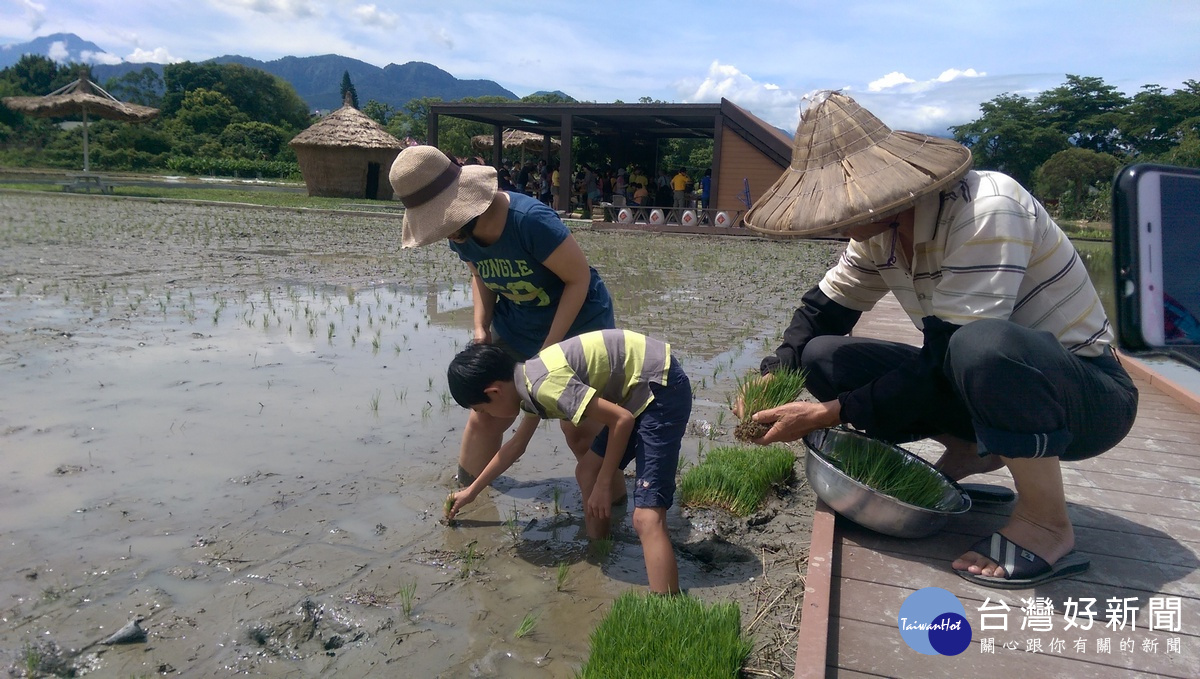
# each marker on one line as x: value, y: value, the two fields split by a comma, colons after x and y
x: 869, y: 507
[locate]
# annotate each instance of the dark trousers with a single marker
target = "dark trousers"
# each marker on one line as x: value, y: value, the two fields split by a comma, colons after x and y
x: 1015, y: 391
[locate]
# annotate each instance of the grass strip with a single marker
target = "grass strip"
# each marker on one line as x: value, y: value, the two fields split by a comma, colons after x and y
x: 736, y: 478
x: 666, y: 637
x: 887, y: 470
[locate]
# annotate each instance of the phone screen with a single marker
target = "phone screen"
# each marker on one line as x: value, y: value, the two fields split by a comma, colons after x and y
x: 1179, y: 235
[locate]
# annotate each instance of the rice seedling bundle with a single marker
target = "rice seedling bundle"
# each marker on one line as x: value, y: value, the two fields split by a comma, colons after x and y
x: 759, y: 393
x: 888, y: 471
x: 666, y: 637
x: 736, y: 478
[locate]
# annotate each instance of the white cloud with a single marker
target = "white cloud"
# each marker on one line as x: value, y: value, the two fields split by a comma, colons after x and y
x: 90, y: 57
x: 35, y: 14
x: 443, y: 36
x: 291, y: 8
x: 768, y: 101
x: 893, y: 79
x: 155, y: 56
x: 953, y: 74
x: 58, y: 52
x: 371, y: 15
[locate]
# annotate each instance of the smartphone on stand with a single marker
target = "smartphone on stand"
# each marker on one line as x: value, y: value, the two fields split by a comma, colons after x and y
x: 1156, y: 260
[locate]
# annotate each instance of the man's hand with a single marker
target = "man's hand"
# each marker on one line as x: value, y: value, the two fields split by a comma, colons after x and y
x: 791, y: 421
x: 739, y: 408
x: 483, y: 336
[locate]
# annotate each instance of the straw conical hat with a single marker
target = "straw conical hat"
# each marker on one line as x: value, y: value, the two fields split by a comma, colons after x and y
x: 848, y: 168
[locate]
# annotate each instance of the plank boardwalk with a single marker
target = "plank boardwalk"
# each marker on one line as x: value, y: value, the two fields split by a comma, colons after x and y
x: 1135, y: 510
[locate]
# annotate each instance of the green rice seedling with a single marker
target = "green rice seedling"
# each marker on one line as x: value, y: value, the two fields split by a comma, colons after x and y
x: 426, y: 410
x: 759, y: 393
x: 375, y: 402
x: 512, y: 526
x: 407, y: 594
x: 556, y: 497
x: 888, y: 471
x: 560, y: 578
x: 690, y: 639
x: 526, y: 627
x: 329, y: 335
x: 736, y: 478
x: 601, y: 549
x: 470, y: 558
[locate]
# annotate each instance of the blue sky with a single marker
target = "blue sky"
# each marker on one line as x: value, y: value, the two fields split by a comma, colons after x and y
x: 917, y: 65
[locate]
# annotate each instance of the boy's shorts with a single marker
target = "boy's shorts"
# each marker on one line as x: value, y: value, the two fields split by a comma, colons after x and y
x: 656, y: 440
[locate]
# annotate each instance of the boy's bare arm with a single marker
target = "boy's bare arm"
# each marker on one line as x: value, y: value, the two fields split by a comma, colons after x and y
x: 509, y: 453
x: 620, y: 427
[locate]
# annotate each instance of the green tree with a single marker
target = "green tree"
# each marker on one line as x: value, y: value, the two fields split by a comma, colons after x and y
x: 379, y: 111
x: 207, y: 112
x: 1086, y: 110
x: 144, y: 87
x: 694, y: 154
x: 253, y: 140
x: 34, y: 75
x: 412, y: 120
x: 1067, y: 174
x: 258, y: 94
x: 548, y: 98
x: 348, y: 90
x: 1011, y: 137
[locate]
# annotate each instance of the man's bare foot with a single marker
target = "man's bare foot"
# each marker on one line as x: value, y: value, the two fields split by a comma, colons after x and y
x: 1050, y: 543
x: 962, y: 459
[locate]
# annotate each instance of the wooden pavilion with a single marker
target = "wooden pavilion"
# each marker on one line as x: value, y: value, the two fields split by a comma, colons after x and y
x: 747, y: 151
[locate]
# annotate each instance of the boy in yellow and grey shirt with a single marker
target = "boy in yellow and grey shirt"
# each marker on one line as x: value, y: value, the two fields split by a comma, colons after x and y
x: 628, y: 382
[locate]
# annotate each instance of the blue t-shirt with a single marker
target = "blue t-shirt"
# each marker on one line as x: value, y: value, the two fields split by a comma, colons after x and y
x: 527, y: 291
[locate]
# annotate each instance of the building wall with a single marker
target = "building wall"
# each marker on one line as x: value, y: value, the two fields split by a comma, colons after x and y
x: 739, y: 159
x: 342, y: 172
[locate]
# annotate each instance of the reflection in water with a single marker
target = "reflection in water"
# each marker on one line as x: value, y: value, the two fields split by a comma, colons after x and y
x: 1097, y: 256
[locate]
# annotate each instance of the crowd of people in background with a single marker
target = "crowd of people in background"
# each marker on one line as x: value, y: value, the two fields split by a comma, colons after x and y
x: 592, y: 186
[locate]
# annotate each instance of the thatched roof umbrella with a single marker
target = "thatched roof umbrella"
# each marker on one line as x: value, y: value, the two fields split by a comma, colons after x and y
x: 512, y: 139
x: 337, y: 149
x: 81, y: 97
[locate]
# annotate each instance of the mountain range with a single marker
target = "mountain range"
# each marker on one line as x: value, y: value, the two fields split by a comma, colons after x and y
x: 317, y: 80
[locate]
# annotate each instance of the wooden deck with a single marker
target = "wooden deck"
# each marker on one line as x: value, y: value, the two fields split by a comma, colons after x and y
x: 1135, y: 510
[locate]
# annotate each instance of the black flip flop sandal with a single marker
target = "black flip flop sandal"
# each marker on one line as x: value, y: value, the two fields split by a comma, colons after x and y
x: 988, y: 495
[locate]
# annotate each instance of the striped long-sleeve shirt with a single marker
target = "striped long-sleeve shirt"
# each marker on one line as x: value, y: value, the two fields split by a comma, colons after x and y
x: 985, y: 249
x: 616, y: 365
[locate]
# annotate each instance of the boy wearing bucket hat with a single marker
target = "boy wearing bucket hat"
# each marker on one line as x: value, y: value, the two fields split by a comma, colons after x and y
x: 530, y: 281
x: 1016, y: 367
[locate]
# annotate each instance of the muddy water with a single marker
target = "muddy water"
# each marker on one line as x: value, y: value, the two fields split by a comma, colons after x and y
x: 232, y: 424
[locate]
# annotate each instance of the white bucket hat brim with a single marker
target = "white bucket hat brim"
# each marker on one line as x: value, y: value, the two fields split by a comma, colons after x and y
x: 439, y: 196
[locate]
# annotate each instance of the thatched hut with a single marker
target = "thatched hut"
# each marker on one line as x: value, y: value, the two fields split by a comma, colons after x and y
x: 346, y: 155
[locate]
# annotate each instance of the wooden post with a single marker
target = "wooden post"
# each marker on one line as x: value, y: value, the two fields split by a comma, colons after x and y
x: 566, y: 167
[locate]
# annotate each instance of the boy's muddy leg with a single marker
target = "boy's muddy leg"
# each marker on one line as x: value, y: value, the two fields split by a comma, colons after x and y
x: 579, y: 440
x: 482, y: 437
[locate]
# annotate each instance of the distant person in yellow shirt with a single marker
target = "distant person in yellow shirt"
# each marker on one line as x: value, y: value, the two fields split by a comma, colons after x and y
x: 679, y: 185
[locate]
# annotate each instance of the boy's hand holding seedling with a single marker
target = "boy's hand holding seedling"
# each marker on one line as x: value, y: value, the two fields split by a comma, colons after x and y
x: 456, y: 501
